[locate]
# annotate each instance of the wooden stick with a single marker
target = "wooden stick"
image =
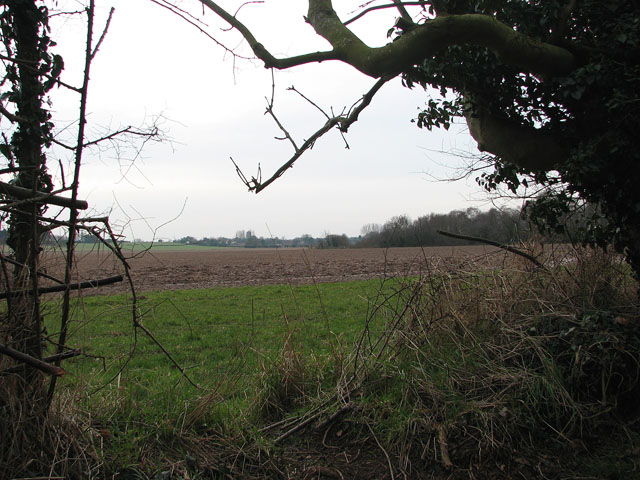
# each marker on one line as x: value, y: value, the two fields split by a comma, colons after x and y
x: 444, y: 451
x: 32, y: 361
x: 41, y: 197
x: 52, y: 358
x: 61, y: 288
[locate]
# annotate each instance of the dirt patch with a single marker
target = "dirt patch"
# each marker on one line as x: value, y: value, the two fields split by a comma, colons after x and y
x: 177, y: 270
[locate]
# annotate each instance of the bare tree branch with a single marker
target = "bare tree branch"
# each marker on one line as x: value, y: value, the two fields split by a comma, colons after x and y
x: 51, y: 358
x: 259, y: 50
x: 363, y: 103
x: 72, y: 286
x: 32, y: 361
x: 508, y: 248
x: 257, y: 186
x: 41, y: 197
x: 73, y: 212
x: 10, y: 116
x: 127, y: 130
x: 343, y: 122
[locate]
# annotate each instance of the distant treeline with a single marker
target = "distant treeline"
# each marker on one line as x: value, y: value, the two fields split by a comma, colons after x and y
x: 502, y: 226
x: 248, y: 240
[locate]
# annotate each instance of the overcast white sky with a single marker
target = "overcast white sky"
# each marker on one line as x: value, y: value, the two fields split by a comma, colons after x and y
x: 153, y: 63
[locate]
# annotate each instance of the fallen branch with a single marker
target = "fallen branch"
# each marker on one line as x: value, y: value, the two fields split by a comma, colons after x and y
x: 508, y: 248
x: 61, y: 288
x: 32, y: 361
x: 52, y: 358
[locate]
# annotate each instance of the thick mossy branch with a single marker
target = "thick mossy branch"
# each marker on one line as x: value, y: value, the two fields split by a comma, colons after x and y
x: 434, y: 36
x: 524, y: 146
x: 420, y: 43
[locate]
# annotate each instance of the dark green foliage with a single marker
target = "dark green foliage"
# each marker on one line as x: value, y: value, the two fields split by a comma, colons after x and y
x: 594, y: 111
x: 598, y: 355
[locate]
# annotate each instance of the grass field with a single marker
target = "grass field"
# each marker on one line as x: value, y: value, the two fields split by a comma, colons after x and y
x: 511, y: 372
x: 223, y: 338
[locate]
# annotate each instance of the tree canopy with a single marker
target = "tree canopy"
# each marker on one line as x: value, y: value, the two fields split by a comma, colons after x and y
x: 548, y: 90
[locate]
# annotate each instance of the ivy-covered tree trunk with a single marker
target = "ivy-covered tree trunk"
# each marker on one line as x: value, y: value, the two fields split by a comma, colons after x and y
x: 25, y: 38
x: 29, y: 72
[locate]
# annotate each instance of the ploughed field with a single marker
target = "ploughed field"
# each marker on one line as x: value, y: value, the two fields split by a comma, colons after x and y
x: 177, y: 268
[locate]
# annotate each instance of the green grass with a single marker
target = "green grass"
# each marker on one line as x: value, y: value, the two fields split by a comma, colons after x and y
x: 131, y: 247
x: 222, y: 337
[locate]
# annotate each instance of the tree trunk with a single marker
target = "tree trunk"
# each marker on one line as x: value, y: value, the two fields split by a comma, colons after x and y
x: 24, y: 321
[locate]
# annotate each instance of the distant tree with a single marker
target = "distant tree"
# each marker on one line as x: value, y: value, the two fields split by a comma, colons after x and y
x: 396, y: 232
x: 305, y: 240
x: 335, y: 241
x: 251, y: 241
x: 188, y: 240
x: 370, y: 228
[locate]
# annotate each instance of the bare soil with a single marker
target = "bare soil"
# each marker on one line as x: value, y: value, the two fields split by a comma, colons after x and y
x: 190, y: 269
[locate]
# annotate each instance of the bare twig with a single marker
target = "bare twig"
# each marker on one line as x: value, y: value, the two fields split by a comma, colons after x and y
x: 40, y: 273
x: 127, y: 130
x: 508, y: 248
x: 191, y: 20
x: 383, y: 451
x: 294, y: 89
x: 104, y: 33
x: 73, y: 212
x: 168, y: 355
x: 270, y: 111
x: 12, y: 118
x: 395, y: 4
x: 403, y: 12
